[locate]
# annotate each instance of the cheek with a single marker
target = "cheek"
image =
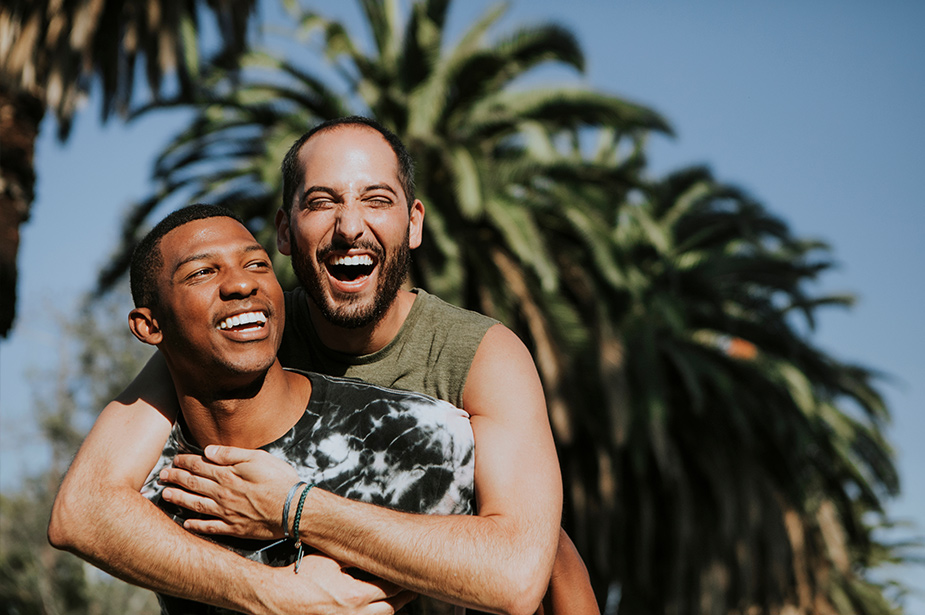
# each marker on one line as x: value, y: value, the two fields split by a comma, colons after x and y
x: 312, y: 232
x: 389, y: 227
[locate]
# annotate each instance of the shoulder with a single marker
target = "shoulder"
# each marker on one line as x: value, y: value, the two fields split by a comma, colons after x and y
x: 501, y: 344
x: 456, y: 332
x: 503, y: 376
x: 433, y: 306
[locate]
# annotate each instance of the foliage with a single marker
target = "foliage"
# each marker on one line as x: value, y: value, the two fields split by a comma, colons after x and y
x: 715, y: 460
x: 53, y: 50
x: 759, y: 458
x: 98, y: 357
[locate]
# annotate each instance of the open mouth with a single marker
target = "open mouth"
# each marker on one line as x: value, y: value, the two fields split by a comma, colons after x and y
x: 350, y: 268
x: 244, y: 322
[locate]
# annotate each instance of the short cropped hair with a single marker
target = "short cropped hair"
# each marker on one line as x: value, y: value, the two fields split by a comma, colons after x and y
x: 147, y: 259
x: 290, y: 165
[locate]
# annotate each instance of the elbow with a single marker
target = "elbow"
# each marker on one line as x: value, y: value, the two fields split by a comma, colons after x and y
x: 531, y: 580
x: 521, y: 607
x: 64, y: 529
x: 525, y: 601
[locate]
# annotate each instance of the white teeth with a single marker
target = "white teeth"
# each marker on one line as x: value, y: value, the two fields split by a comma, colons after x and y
x: 358, y: 259
x: 243, y: 319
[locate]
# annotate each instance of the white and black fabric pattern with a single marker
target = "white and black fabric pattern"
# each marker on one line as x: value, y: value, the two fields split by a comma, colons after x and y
x: 398, y: 449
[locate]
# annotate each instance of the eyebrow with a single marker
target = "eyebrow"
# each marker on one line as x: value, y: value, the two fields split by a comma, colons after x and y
x: 334, y: 193
x: 254, y: 247
x: 380, y: 187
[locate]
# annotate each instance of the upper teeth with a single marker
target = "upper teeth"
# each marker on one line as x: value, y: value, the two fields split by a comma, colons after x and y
x: 357, y: 259
x: 243, y: 319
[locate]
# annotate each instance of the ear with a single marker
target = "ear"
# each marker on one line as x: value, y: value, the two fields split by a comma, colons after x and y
x: 282, y: 233
x: 416, y: 224
x: 144, y: 326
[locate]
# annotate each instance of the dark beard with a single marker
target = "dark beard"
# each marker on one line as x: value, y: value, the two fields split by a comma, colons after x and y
x: 354, y: 315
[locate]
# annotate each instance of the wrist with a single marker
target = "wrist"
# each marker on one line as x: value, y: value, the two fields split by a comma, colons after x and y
x: 323, y: 519
x: 263, y: 593
x: 253, y: 591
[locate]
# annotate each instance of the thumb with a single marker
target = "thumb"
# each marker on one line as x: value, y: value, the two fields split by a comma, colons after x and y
x: 227, y: 455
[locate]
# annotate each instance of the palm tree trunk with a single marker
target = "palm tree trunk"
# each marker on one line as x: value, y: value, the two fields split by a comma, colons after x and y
x: 20, y: 115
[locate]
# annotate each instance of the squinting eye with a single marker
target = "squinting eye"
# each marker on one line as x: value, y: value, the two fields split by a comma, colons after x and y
x: 198, y: 274
x: 316, y: 204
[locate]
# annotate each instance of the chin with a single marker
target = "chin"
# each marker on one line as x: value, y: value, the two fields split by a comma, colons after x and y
x: 351, y: 314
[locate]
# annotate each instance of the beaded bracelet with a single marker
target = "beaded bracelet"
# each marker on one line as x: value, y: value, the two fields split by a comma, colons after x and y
x: 297, y: 522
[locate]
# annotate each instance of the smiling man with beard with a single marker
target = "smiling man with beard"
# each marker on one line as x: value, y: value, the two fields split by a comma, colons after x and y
x: 349, y: 249
x: 349, y: 218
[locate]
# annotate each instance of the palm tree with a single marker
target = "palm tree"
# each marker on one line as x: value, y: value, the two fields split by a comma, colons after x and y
x: 50, y: 54
x: 749, y: 459
x: 712, y: 458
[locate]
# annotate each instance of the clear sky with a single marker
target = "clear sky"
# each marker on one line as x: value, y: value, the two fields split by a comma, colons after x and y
x: 815, y: 108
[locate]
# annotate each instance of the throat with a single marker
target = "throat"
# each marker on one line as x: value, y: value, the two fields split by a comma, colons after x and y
x: 249, y: 418
x: 366, y: 339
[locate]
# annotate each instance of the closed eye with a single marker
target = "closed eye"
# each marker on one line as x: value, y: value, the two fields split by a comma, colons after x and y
x: 316, y: 204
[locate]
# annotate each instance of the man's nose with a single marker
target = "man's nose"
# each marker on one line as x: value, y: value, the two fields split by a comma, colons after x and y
x: 238, y: 283
x: 350, y: 223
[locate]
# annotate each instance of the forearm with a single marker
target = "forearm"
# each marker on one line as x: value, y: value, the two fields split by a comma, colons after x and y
x: 489, y: 562
x: 570, y: 588
x: 142, y: 546
x: 100, y: 515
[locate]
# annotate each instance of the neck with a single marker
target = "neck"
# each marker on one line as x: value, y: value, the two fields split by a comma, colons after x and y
x: 246, y: 416
x: 368, y: 339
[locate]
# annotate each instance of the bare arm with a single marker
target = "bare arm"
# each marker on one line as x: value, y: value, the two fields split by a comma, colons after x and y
x: 100, y: 515
x: 570, y: 588
x: 497, y: 561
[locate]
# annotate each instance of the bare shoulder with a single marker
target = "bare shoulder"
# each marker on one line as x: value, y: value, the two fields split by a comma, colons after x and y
x: 502, y: 348
x: 503, y: 376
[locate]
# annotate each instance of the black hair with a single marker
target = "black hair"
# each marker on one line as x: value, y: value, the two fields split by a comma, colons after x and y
x: 291, y: 160
x: 147, y: 259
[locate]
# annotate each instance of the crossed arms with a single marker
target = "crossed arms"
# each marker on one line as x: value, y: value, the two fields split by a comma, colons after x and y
x: 497, y: 561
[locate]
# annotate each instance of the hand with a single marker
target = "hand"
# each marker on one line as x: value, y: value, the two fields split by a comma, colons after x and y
x: 323, y: 585
x: 244, y: 489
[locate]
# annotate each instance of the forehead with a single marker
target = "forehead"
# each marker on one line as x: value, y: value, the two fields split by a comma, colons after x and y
x: 346, y: 151
x: 211, y: 236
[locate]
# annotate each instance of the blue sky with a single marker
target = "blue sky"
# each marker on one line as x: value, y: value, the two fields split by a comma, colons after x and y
x: 814, y: 108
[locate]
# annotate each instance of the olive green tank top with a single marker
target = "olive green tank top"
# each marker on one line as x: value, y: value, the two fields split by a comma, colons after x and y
x: 431, y: 353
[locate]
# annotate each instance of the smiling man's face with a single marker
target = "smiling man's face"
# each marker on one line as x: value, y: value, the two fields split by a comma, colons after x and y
x: 220, y: 307
x: 350, y: 230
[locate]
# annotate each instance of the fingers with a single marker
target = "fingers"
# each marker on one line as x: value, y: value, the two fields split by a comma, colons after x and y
x: 228, y: 455
x: 391, y: 605
x: 380, y: 588
x: 191, y: 501
x: 200, y: 466
x: 215, y: 527
x: 192, y: 482
x: 401, y: 599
